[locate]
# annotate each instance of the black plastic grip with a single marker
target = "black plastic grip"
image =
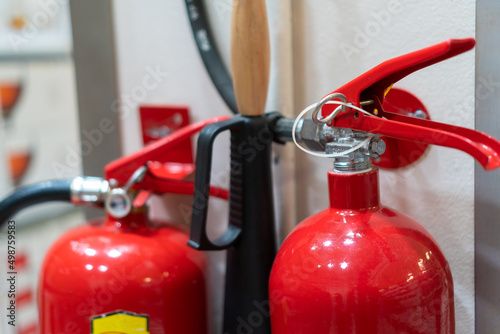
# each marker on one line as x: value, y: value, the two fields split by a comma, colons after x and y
x: 251, y: 238
x: 250, y: 259
x: 198, y: 238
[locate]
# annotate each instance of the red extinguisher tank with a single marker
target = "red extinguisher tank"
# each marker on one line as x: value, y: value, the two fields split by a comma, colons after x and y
x: 359, y: 267
x: 124, y: 273
x: 123, y: 277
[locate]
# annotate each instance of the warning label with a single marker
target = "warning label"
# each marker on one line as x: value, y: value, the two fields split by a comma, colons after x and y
x: 120, y: 322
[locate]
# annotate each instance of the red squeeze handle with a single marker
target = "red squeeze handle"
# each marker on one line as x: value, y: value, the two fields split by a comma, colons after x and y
x: 160, y: 152
x: 376, y: 81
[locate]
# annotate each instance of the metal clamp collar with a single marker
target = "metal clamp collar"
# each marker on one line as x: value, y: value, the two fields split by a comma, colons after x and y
x: 87, y: 190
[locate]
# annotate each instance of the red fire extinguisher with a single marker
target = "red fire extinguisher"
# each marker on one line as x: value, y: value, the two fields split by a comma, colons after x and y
x: 123, y: 273
x: 360, y: 267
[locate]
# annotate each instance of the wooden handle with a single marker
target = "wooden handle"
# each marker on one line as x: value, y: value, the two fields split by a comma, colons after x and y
x: 250, y: 55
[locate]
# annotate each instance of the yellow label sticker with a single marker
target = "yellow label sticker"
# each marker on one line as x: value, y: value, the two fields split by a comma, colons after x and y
x: 120, y: 322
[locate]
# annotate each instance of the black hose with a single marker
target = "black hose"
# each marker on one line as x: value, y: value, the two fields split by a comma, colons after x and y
x: 41, y: 192
x: 209, y: 53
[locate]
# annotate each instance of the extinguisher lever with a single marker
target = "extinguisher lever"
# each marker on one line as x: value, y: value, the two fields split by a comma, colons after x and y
x: 377, y: 81
x: 199, y: 238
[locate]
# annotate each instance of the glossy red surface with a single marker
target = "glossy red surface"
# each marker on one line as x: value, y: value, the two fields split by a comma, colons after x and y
x: 358, y: 267
x: 161, y: 151
x: 158, y: 121
x: 375, y: 82
x: 123, y: 265
x: 166, y: 168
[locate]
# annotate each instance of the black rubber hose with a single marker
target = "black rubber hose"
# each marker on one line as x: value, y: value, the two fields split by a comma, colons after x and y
x: 41, y: 192
x: 209, y: 53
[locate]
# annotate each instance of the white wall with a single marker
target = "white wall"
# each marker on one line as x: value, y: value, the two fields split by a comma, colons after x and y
x: 437, y: 192
x: 44, y: 121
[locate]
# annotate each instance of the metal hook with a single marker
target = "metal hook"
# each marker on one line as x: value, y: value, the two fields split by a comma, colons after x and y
x: 138, y: 176
x: 329, y: 118
x: 119, y: 202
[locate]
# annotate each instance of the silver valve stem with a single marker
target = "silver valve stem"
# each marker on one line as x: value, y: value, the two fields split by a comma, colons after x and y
x: 96, y: 191
x: 306, y: 132
x: 333, y: 140
x: 359, y: 159
x: 324, y: 138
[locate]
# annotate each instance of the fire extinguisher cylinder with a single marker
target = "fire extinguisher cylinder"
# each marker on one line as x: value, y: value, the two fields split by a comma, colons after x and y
x: 122, y: 273
x: 360, y: 267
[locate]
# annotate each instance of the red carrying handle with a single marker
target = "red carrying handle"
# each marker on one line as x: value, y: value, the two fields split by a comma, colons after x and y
x: 483, y: 147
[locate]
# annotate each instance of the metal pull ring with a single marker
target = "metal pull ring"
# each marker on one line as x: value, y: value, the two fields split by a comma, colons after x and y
x: 329, y: 118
